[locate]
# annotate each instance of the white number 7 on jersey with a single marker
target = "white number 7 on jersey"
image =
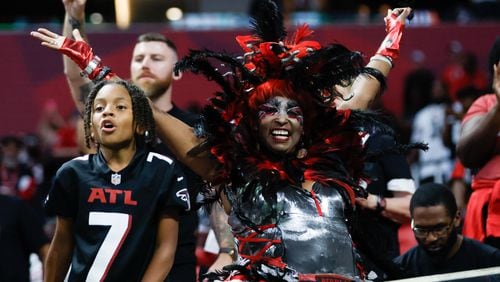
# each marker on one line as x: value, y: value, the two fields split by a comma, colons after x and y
x: 120, y: 225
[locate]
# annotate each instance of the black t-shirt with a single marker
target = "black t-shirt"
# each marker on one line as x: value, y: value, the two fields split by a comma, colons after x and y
x: 21, y: 233
x: 116, y: 214
x: 471, y: 255
x: 386, y: 166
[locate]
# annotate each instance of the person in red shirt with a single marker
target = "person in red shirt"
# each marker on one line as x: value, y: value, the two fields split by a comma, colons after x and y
x: 479, y: 148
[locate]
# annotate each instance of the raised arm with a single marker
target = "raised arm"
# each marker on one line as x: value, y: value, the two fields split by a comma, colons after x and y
x: 365, y: 88
x: 180, y: 139
x: 74, y: 18
x: 477, y: 142
x: 78, y: 51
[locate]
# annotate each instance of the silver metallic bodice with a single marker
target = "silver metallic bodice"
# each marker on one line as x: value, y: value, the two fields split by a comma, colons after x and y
x: 312, y: 228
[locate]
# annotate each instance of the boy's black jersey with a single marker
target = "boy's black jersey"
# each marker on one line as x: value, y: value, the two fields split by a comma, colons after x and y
x: 116, y: 215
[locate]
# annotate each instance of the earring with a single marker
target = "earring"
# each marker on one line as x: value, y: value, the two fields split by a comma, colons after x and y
x: 301, y: 153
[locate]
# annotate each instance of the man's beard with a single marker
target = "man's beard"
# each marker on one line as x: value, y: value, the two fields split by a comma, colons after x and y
x: 153, y: 90
x: 439, y: 255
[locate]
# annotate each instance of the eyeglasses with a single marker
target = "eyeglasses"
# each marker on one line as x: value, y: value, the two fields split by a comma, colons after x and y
x: 438, y: 231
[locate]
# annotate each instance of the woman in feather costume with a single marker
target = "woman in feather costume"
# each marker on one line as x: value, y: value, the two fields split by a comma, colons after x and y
x: 284, y: 148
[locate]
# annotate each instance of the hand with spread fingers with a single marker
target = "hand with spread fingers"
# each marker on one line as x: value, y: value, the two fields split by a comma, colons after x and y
x: 77, y: 50
x: 51, y: 39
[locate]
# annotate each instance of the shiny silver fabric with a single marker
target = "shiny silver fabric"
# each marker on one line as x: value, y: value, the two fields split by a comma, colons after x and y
x: 312, y: 229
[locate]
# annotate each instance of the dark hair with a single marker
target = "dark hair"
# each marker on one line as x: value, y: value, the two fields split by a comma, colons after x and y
x: 468, y: 92
x: 11, y: 139
x: 434, y: 194
x: 155, y: 36
x: 143, y: 115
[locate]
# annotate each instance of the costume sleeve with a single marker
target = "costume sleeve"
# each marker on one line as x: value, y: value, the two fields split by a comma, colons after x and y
x: 62, y: 197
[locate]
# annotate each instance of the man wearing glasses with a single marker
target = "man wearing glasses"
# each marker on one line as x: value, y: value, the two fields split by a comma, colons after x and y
x: 441, y: 249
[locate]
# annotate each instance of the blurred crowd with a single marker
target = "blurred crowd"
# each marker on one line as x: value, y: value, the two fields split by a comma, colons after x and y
x: 361, y: 11
x: 426, y: 11
x: 434, y: 104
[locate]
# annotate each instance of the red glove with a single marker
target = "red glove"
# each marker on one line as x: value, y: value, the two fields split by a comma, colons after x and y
x: 81, y: 53
x: 390, y: 46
